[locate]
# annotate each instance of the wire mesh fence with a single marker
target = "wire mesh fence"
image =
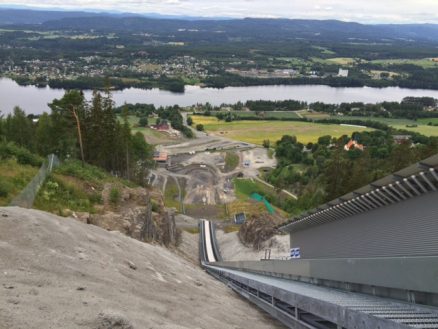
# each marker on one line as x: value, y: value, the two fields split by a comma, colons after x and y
x: 26, y: 198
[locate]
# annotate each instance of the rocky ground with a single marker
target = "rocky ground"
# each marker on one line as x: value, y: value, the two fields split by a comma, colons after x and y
x: 60, y: 273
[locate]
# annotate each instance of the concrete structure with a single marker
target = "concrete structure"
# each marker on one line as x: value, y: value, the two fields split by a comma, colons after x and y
x: 368, y: 259
x: 393, y: 217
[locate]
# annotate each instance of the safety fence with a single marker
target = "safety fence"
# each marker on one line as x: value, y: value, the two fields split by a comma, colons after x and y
x: 26, y: 198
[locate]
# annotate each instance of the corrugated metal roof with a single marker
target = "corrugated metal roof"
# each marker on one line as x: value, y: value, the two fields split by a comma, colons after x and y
x: 409, y: 182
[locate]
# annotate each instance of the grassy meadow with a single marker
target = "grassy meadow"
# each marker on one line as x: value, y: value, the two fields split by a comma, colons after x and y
x: 257, y: 131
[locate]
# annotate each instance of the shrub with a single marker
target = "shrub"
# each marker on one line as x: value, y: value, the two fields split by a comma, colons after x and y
x: 5, y: 187
x: 143, y: 122
x: 23, y: 156
x: 87, y: 172
x: 114, y: 196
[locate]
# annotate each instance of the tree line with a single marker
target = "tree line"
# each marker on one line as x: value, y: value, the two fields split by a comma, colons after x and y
x: 89, y: 131
x: 322, y: 171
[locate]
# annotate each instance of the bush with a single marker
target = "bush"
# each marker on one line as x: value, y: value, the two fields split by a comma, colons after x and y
x: 200, y: 127
x: 87, y: 172
x: 5, y: 187
x: 114, y: 196
x: 23, y: 156
x: 143, y: 122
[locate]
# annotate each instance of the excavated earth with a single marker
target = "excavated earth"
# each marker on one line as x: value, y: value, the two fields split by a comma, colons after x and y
x: 60, y: 273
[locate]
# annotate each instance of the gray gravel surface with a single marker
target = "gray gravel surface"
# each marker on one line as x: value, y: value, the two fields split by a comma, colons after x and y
x: 59, y: 273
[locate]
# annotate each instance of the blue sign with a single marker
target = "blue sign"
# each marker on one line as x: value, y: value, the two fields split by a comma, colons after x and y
x: 295, y: 253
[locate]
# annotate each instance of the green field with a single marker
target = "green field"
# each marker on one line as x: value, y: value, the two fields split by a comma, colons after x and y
x: 422, y: 128
x: 267, y: 114
x: 245, y: 187
x: 425, y: 121
x: 425, y: 62
x: 257, y: 131
x: 335, y: 60
x: 231, y: 161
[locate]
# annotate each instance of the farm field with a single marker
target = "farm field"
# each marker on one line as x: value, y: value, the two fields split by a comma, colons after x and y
x: 267, y: 114
x: 258, y: 131
x: 425, y: 62
x: 335, y: 60
x: 421, y: 128
x: 425, y: 121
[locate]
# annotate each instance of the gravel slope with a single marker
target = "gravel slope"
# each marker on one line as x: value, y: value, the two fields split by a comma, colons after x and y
x: 233, y: 250
x: 58, y: 273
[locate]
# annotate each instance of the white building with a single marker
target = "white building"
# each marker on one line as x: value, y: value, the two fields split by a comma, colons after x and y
x: 343, y: 73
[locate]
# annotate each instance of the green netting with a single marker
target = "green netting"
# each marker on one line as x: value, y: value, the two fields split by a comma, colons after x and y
x: 261, y: 198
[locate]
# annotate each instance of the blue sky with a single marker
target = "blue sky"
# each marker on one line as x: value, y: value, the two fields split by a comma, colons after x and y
x: 367, y: 11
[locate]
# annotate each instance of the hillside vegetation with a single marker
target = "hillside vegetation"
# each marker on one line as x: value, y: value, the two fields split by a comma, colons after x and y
x: 17, y: 168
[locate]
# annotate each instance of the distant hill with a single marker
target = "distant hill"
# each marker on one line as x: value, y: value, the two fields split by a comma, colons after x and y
x: 24, y: 16
x: 248, y: 29
x: 19, y: 16
x: 269, y: 29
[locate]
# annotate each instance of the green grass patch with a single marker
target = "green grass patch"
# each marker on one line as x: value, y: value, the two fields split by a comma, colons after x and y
x: 335, y: 60
x: 258, y: 131
x: 114, y: 196
x: 271, y: 153
x: 231, y: 228
x: 192, y: 230
x: 73, y: 187
x: 388, y: 121
x: 422, y: 129
x: 171, y: 194
x: 91, y: 174
x: 59, y: 194
x: 231, y: 161
x: 426, y: 121
x: 265, y: 115
x: 14, y: 177
x: 424, y: 62
x: 245, y: 187
x: 402, y: 124
x: 22, y: 155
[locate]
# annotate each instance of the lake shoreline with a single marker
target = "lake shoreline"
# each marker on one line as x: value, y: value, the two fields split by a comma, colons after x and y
x: 34, y: 100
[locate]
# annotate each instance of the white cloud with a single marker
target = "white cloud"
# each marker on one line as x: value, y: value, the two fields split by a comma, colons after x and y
x: 369, y: 11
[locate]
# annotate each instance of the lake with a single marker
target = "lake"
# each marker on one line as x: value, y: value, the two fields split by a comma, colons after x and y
x: 35, y: 100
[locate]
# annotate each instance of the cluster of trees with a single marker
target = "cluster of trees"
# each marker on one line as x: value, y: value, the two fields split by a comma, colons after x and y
x: 85, y: 130
x: 173, y: 115
x: 265, y: 106
x: 409, y: 108
x: 322, y: 171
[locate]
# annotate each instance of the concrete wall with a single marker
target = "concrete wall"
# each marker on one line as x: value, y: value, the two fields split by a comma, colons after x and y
x: 408, y: 228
